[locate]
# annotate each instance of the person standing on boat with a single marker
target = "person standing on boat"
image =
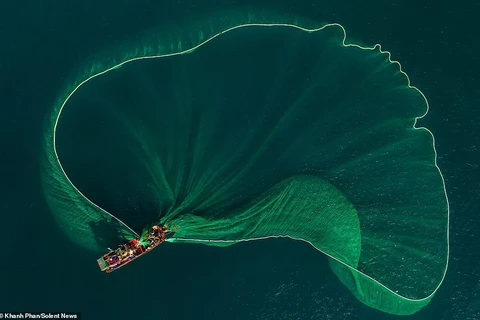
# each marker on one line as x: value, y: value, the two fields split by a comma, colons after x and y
x: 162, y: 233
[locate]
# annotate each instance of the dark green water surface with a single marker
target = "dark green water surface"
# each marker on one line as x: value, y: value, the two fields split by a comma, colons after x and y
x: 42, y: 42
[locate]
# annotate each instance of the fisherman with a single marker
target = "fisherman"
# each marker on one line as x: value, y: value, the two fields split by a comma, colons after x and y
x: 162, y: 233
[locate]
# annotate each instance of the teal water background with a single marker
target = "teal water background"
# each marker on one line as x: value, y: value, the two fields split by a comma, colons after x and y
x: 42, y: 42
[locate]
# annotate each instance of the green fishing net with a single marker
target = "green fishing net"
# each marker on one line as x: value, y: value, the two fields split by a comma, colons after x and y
x: 250, y: 128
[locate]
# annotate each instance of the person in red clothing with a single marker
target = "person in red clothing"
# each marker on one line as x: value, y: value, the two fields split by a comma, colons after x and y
x: 162, y: 233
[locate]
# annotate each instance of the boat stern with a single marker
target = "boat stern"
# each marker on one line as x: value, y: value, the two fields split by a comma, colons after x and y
x: 102, y: 264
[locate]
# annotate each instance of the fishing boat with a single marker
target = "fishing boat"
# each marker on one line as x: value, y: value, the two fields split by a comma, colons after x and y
x: 131, y: 250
